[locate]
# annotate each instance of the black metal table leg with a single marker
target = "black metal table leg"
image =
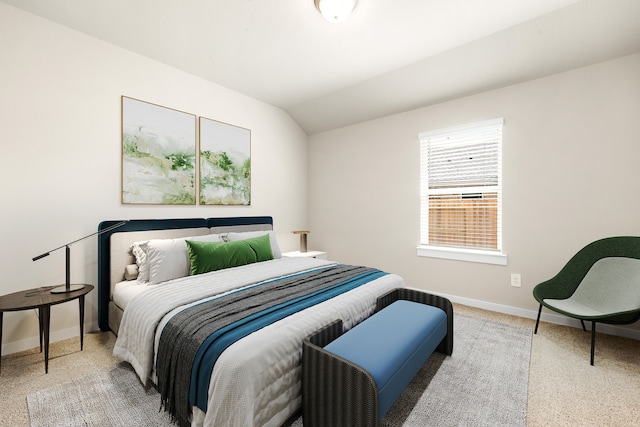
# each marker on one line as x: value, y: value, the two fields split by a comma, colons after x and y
x: 1, y: 314
x: 81, y: 307
x: 45, y: 316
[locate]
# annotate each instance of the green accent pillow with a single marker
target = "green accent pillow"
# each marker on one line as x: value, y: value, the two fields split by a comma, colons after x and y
x: 261, y: 246
x: 211, y: 256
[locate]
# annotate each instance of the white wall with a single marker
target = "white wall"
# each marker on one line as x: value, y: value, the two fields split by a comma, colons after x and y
x: 571, y: 176
x: 60, y: 133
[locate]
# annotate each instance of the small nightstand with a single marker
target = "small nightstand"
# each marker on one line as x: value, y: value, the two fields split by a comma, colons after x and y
x: 42, y: 298
x: 308, y: 254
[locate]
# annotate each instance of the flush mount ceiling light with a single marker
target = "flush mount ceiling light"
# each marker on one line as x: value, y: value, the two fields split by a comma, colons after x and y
x: 336, y: 11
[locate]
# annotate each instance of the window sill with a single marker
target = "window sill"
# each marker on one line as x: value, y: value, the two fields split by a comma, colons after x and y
x: 458, y: 254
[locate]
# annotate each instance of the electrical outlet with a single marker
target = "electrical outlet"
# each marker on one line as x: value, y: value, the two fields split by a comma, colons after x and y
x: 516, y: 280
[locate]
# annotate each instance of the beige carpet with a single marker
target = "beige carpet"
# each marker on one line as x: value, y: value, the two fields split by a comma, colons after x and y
x: 564, y: 390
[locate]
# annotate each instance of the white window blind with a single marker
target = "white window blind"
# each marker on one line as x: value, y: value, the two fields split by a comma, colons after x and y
x: 461, y: 186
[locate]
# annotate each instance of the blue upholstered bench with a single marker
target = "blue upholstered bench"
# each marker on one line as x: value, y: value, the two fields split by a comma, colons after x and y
x: 353, y: 378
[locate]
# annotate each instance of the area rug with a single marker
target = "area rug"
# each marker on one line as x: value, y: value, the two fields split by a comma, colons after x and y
x: 484, y: 383
x: 113, y: 397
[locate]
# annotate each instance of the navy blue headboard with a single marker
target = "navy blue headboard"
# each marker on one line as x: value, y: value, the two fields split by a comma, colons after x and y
x: 104, y: 246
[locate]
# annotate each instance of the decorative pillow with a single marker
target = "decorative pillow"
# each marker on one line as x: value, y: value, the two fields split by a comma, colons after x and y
x: 139, y: 251
x: 275, y: 249
x: 168, y: 259
x: 131, y: 272
x: 211, y: 256
x: 261, y: 245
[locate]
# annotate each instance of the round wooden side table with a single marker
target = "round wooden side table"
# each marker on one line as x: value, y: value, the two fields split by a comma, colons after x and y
x: 42, y: 299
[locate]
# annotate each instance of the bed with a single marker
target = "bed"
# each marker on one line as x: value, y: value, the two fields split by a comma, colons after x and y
x: 222, y: 345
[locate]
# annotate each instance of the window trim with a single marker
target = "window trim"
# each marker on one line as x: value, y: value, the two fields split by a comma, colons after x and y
x: 463, y: 254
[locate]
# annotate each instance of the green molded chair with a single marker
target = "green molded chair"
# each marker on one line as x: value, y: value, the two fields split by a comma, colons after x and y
x: 601, y: 283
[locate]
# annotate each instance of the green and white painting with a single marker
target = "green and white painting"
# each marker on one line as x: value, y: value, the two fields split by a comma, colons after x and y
x: 158, y: 154
x: 225, y: 164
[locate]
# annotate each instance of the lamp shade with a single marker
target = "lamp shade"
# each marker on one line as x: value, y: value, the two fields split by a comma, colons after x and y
x: 336, y: 11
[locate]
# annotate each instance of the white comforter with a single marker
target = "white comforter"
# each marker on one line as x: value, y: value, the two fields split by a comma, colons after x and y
x: 256, y: 381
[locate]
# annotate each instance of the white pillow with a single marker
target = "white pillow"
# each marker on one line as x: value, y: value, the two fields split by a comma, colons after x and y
x: 275, y: 249
x: 169, y: 258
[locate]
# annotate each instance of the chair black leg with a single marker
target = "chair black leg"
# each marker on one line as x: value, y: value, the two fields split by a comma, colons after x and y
x: 593, y: 341
x: 538, y: 319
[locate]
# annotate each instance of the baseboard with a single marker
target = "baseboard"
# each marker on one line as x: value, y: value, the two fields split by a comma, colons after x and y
x: 546, y: 316
x: 34, y: 342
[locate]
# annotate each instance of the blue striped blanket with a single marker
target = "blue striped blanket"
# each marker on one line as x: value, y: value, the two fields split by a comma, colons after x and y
x: 193, y: 340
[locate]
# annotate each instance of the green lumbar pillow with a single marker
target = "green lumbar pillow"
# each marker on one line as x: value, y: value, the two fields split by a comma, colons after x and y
x: 211, y: 256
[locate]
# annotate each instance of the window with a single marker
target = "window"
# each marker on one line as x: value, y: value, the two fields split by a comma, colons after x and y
x: 461, y: 192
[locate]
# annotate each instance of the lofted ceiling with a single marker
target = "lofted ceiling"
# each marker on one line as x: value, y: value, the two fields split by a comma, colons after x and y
x: 389, y: 57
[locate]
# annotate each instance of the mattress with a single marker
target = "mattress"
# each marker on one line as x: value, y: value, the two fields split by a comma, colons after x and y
x: 125, y: 291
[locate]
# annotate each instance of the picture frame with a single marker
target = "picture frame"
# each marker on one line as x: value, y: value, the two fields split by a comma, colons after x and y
x: 225, y: 163
x: 158, y: 154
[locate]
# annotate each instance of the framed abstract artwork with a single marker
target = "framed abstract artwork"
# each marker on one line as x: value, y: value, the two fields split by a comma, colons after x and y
x: 158, y: 154
x: 225, y: 164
